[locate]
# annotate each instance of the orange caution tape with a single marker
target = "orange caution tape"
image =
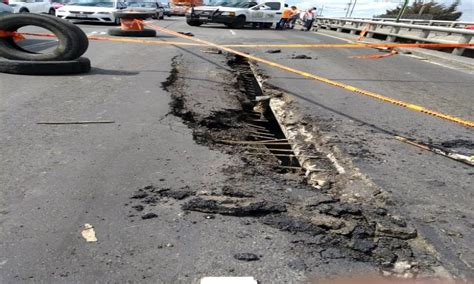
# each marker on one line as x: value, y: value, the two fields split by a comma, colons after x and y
x: 16, y: 36
x: 376, y: 56
x: 364, y: 31
x: 294, y: 45
x: 131, y: 24
x: 410, y: 106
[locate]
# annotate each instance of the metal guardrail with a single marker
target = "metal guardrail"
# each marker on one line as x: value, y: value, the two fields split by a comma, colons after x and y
x: 394, y: 31
x: 439, y: 23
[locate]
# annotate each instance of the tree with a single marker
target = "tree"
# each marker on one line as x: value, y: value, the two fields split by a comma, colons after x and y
x: 437, y: 11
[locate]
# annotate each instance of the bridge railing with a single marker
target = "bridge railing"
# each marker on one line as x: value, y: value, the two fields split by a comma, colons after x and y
x: 393, y: 31
x: 439, y: 23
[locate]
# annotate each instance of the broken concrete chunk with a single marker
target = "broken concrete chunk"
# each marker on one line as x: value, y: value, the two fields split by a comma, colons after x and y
x: 234, y: 207
x: 362, y: 245
x: 327, y: 222
x: 246, y: 256
x: 388, y: 229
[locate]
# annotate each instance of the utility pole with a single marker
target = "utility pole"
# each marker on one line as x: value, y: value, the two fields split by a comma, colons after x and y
x: 348, y: 8
x: 402, y: 11
x: 353, y: 6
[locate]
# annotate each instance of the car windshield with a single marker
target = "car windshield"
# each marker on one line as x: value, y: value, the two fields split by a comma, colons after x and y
x: 92, y: 3
x: 13, y: 1
x: 230, y: 3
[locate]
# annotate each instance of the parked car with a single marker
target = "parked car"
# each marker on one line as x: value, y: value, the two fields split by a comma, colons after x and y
x: 167, y: 8
x: 31, y: 6
x: 154, y: 7
x: 4, y: 9
x: 92, y: 10
x: 236, y: 14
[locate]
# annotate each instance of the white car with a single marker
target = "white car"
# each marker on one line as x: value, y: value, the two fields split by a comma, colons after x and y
x: 32, y: 6
x: 92, y: 10
x: 237, y: 13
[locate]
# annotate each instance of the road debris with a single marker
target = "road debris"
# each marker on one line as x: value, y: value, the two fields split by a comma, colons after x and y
x: 149, y: 216
x: 76, y: 122
x: 274, y: 51
x: 186, y: 33
x: 88, y: 233
x: 246, y: 256
x: 302, y: 56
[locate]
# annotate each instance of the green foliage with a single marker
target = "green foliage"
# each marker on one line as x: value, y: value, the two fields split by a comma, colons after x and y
x: 438, y: 11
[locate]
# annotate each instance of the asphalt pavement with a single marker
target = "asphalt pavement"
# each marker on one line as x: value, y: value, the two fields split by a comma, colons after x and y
x: 57, y: 178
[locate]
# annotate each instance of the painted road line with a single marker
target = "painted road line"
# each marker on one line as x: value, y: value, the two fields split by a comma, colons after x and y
x: 232, y: 32
x: 356, y: 90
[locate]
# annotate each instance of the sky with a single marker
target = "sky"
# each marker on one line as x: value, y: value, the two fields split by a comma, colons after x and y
x: 369, y: 8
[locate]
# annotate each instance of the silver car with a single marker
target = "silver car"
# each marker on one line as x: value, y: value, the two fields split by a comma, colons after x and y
x: 5, y: 9
x: 147, y: 6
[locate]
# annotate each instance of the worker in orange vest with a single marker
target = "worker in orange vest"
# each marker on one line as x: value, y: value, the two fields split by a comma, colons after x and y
x: 295, y: 14
x: 284, y: 18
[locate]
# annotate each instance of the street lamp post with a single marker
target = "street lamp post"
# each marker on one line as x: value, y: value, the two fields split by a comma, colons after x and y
x: 353, y: 6
x: 402, y: 11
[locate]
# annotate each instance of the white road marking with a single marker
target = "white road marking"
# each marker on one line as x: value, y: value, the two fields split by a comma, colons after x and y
x: 346, y: 40
x: 232, y: 32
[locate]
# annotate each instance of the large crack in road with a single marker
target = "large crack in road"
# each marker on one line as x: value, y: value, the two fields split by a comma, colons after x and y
x: 322, y: 224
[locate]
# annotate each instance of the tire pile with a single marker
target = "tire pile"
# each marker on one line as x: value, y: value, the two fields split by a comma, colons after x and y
x: 64, y: 59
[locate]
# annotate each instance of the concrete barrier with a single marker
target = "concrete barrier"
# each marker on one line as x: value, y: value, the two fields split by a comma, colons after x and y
x: 393, y: 31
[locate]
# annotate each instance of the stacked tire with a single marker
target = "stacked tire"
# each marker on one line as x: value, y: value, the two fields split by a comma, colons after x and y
x: 64, y: 59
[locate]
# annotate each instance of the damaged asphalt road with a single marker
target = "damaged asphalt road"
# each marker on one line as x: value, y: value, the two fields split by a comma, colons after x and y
x: 179, y: 187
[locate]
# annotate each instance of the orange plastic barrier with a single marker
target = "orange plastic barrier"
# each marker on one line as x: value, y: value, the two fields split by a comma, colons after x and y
x: 16, y: 36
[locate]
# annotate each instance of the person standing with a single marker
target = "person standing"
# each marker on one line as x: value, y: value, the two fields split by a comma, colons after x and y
x: 284, y: 18
x: 295, y: 14
x: 309, y: 19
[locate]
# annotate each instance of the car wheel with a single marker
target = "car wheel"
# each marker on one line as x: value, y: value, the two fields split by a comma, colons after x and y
x: 73, y: 42
x: 117, y: 21
x: 76, y: 66
x: 161, y: 17
x: 52, y: 12
x: 131, y: 33
x: 194, y: 23
x: 24, y: 10
x: 238, y: 23
x: 267, y: 25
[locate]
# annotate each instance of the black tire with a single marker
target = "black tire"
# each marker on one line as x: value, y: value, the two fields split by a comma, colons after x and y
x: 77, y: 66
x: 267, y: 25
x: 117, y: 21
x: 73, y: 42
x: 24, y: 10
x: 142, y: 33
x: 238, y: 23
x: 194, y: 23
x: 52, y: 12
x: 162, y: 17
